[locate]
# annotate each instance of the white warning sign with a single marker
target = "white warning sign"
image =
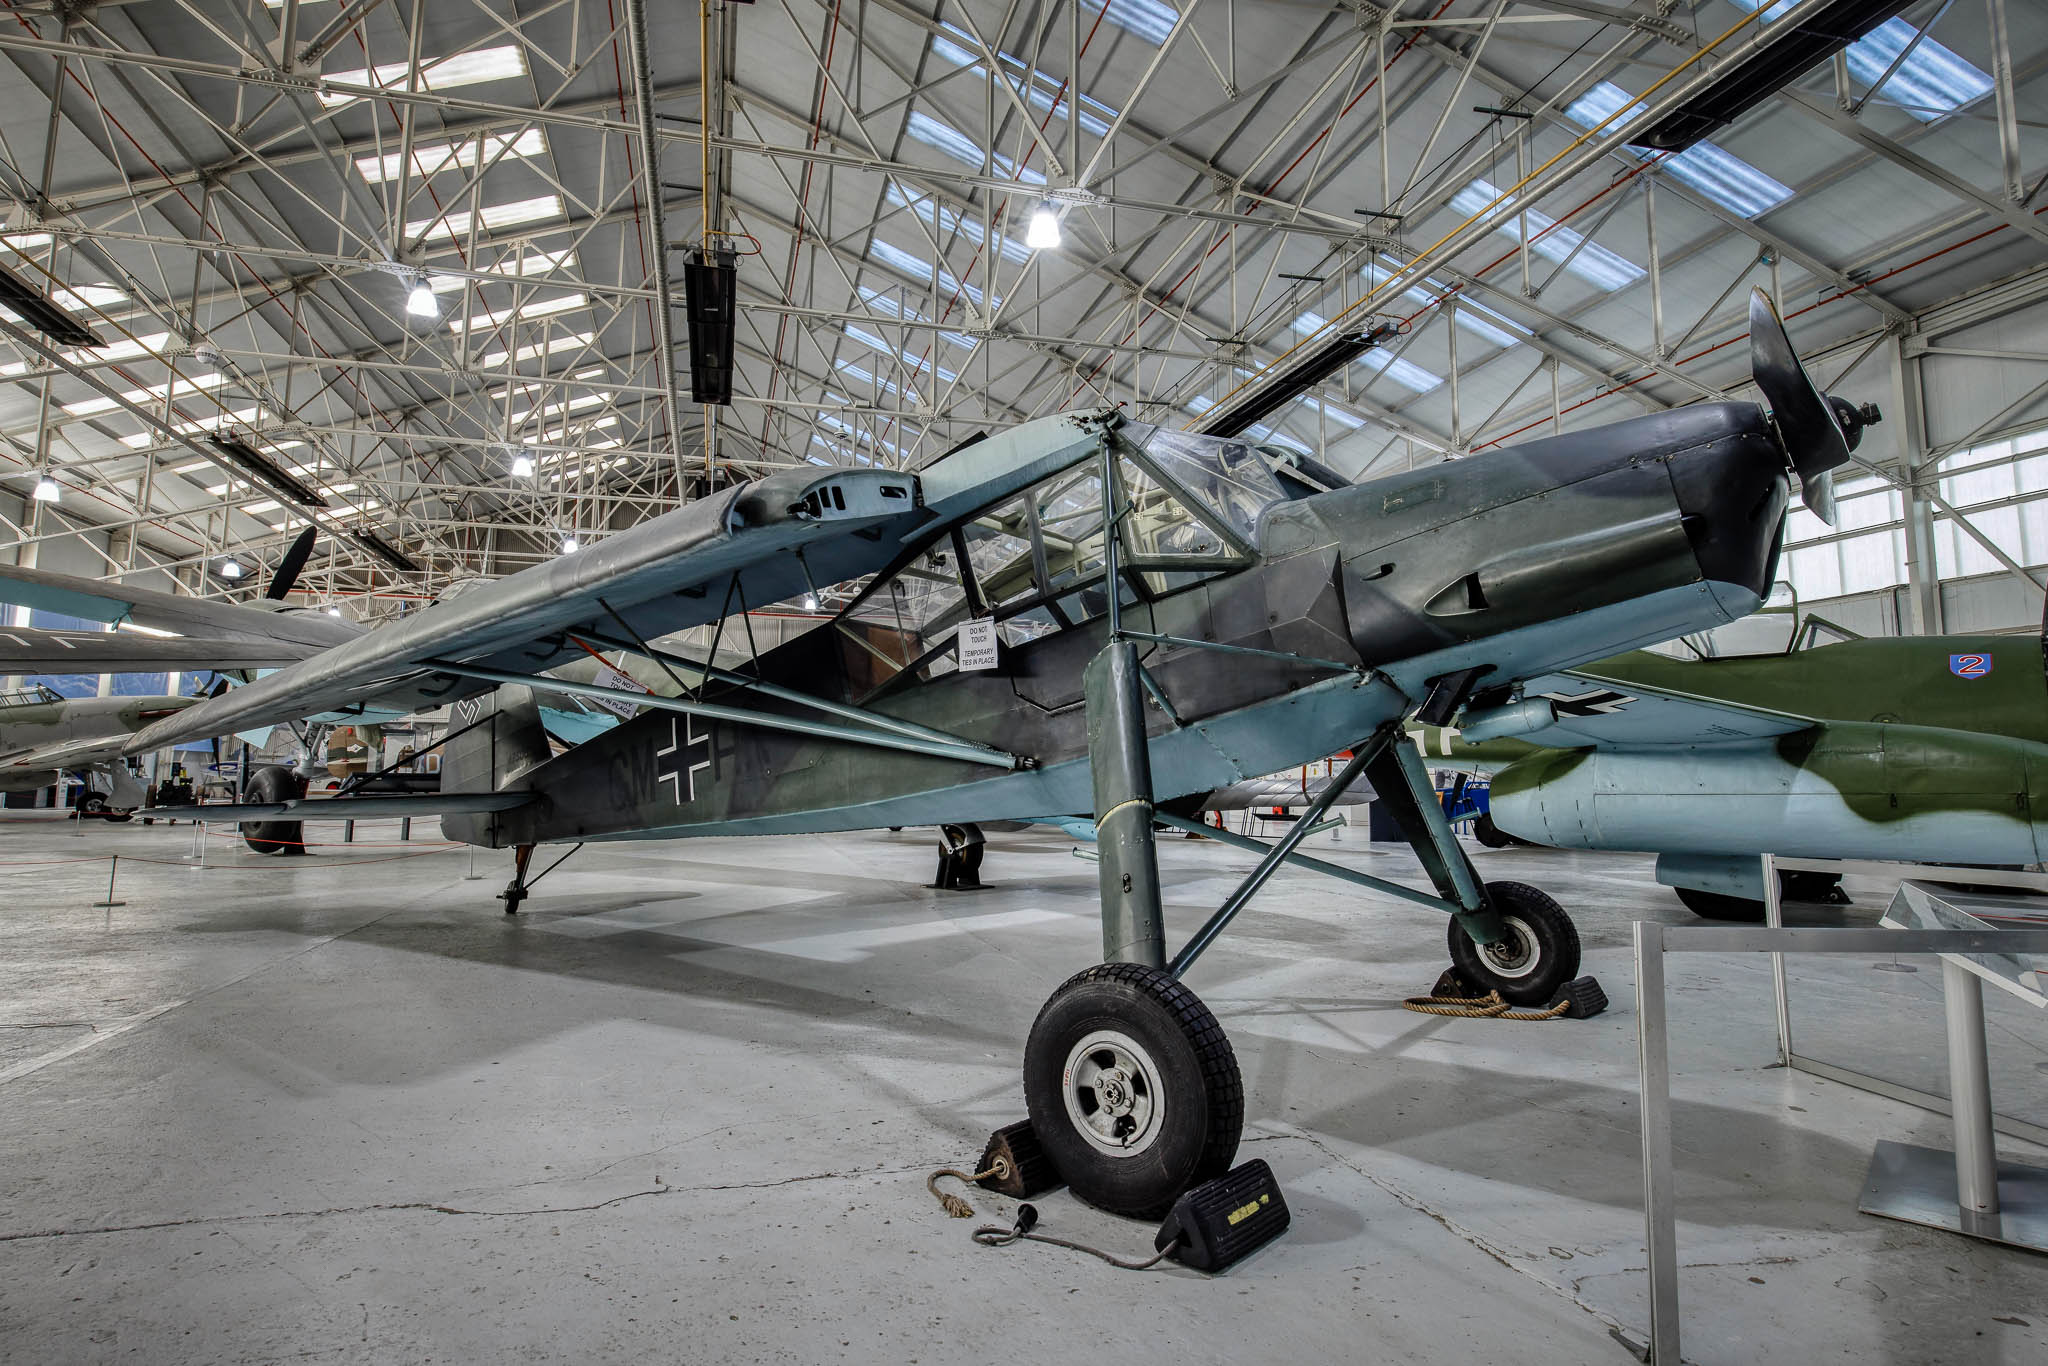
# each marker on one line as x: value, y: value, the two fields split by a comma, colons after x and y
x: 977, y: 644
x: 608, y: 677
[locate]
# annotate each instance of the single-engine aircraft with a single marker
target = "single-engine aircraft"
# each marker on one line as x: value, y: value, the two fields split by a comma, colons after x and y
x: 1170, y: 614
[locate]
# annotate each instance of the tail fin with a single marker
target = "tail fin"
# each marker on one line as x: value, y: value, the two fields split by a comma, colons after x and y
x: 505, y: 741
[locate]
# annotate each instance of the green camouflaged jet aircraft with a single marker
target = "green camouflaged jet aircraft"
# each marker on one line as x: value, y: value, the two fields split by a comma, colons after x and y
x: 1929, y: 748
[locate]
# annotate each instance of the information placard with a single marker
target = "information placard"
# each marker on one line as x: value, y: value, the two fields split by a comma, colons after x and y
x: 977, y: 644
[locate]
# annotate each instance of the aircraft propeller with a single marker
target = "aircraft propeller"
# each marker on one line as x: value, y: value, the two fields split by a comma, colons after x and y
x: 1818, y: 431
x: 289, y: 568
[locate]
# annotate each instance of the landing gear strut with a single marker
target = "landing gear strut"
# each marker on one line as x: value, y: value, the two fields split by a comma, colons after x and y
x: 515, y: 891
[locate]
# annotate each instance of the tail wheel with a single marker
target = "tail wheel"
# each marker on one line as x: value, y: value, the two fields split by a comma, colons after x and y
x: 1489, y: 834
x: 274, y: 783
x: 1538, y: 954
x: 1721, y: 906
x: 1133, y: 1088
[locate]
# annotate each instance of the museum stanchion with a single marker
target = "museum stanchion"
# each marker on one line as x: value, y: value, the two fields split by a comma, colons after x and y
x: 2011, y: 1190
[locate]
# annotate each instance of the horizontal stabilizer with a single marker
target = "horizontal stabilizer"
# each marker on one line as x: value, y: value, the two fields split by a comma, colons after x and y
x: 351, y: 808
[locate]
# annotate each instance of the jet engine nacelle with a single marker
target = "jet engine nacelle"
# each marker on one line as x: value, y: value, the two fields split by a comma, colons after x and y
x: 1839, y: 791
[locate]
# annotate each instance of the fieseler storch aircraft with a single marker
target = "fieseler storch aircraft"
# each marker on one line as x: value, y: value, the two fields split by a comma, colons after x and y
x: 1170, y: 614
x: 1924, y: 748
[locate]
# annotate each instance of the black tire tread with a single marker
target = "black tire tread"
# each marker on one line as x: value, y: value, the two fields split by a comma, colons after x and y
x: 1217, y: 1060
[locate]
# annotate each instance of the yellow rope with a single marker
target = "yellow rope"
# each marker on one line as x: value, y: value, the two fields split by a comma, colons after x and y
x: 953, y: 1204
x: 1491, y: 1006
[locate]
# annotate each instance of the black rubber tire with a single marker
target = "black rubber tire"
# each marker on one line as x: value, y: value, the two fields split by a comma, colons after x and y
x: 274, y: 783
x: 120, y: 817
x: 92, y: 804
x: 1489, y: 834
x: 1555, y: 939
x: 1721, y: 906
x: 1823, y: 889
x: 1202, y: 1093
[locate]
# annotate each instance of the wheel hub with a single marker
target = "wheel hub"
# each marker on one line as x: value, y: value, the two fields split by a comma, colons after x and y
x: 1112, y: 1093
x: 1515, y: 954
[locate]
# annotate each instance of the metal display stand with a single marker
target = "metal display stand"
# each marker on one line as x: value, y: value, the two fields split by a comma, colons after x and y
x: 1791, y: 1057
x: 2009, y: 1190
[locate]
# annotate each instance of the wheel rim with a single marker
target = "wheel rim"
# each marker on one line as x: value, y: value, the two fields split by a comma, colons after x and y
x: 1111, y: 1086
x: 1515, y: 956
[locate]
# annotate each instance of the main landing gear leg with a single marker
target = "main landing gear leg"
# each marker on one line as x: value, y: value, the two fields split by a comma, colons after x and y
x: 1508, y: 936
x: 1133, y: 1089
x: 515, y: 891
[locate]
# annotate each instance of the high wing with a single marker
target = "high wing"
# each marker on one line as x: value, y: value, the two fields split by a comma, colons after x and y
x: 762, y: 542
x: 31, y: 650
x: 101, y: 600
x: 1613, y: 713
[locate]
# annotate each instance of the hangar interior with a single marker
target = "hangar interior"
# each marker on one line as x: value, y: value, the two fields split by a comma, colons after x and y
x: 426, y: 280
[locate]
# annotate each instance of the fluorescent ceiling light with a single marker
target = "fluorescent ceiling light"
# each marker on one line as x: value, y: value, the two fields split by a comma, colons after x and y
x: 1592, y: 263
x: 1726, y: 179
x: 432, y: 158
x: 474, y: 67
x: 494, y: 216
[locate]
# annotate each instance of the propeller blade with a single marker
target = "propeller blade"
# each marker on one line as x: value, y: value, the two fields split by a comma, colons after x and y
x: 293, y: 563
x: 1813, y: 437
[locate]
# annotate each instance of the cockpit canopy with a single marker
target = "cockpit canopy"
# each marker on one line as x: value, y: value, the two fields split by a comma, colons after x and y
x: 1192, y: 508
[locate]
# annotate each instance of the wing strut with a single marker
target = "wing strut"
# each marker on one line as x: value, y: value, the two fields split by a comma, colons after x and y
x: 777, y: 691
x: 963, y: 750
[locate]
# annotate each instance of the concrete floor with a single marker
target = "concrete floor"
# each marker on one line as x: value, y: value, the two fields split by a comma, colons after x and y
x: 339, y: 1108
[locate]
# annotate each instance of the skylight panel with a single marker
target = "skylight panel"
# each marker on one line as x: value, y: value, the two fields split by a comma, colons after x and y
x: 1147, y: 19
x: 1932, y: 82
x: 1405, y: 373
x: 184, y: 388
x: 946, y: 138
x: 1044, y: 88
x: 884, y: 304
x: 873, y: 342
x: 916, y: 266
x: 79, y: 298
x: 948, y: 221
x: 474, y: 67
x: 576, y: 404
x: 1721, y: 176
x: 1257, y: 431
x: 1593, y: 263
x: 456, y: 225
x: 537, y: 308
x: 1343, y: 417
x: 432, y: 158
x: 243, y: 417
x: 569, y: 341
x: 526, y: 264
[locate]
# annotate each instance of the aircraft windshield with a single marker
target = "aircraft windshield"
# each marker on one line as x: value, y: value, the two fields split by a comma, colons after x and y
x: 1228, y: 477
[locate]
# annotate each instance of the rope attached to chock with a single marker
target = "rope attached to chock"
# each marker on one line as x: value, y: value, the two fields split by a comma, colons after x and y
x: 1491, y: 1006
x: 955, y: 1205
